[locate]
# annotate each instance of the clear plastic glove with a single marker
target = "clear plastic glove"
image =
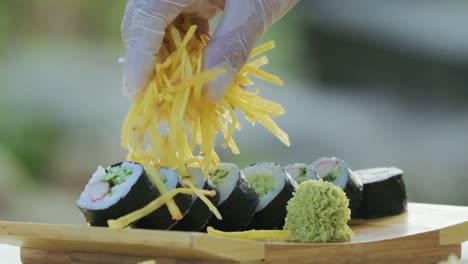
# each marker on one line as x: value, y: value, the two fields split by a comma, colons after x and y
x: 241, y: 26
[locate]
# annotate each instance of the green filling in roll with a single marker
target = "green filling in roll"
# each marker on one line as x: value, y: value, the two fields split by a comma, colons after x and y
x: 117, y: 175
x: 218, y: 176
x: 302, y: 176
x: 262, y: 184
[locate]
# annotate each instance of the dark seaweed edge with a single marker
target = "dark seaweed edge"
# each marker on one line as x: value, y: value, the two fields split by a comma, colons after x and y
x: 238, y: 209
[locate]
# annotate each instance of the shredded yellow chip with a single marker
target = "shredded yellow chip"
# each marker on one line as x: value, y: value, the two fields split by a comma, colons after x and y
x: 200, y: 195
x: 277, y: 235
x: 128, y: 219
x: 153, y: 174
x: 172, y: 125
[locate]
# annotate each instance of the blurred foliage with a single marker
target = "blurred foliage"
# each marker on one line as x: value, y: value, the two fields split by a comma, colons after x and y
x: 4, y: 23
x: 30, y: 136
x: 100, y: 21
x: 86, y: 19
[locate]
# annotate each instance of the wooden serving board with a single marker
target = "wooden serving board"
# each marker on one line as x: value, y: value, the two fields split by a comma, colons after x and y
x: 425, y: 234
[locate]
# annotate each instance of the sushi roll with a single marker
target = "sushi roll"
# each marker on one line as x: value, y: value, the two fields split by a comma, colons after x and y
x: 384, y: 192
x: 114, y: 192
x: 161, y: 218
x: 199, y: 213
x: 301, y: 172
x: 274, y: 188
x: 354, y: 191
x: 332, y: 170
x: 237, y: 198
x: 335, y: 170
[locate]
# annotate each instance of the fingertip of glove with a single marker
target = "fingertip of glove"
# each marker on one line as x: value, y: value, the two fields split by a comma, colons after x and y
x: 215, y: 89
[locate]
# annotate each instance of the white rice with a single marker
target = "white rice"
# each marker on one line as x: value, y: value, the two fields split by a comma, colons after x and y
x: 291, y: 169
x: 229, y: 182
x: 197, y: 175
x: 377, y: 174
x: 118, y: 191
x: 325, y: 166
x: 267, y: 169
x: 294, y: 171
x: 171, y: 177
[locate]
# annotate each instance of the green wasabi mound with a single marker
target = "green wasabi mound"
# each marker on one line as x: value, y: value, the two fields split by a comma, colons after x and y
x: 318, y: 212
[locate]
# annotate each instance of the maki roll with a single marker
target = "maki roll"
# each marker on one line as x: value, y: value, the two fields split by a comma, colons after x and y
x: 301, y: 172
x: 115, y: 191
x: 354, y: 191
x: 274, y: 188
x: 384, y: 192
x: 161, y: 218
x: 336, y: 171
x: 237, y: 199
x: 199, y: 213
x: 332, y: 170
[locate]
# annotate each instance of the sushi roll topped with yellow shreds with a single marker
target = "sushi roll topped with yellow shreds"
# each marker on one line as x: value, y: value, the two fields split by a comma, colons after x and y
x: 161, y: 218
x: 199, y: 213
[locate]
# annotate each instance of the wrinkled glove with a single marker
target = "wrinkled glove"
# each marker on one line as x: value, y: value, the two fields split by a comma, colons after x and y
x: 241, y: 26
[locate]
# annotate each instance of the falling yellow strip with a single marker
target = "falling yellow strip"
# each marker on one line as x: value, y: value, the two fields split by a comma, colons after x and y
x: 277, y: 235
x: 172, y: 125
x: 128, y: 219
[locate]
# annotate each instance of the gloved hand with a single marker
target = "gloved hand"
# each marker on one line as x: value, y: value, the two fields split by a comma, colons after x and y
x: 241, y: 26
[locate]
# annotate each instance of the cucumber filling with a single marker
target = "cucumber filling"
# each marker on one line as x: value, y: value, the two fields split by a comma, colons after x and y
x: 333, y: 175
x: 116, y: 176
x: 302, y: 175
x: 262, y: 184
x: 218, y: 176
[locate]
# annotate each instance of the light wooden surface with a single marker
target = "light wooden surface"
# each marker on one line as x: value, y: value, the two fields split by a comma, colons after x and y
x: 425, y: 234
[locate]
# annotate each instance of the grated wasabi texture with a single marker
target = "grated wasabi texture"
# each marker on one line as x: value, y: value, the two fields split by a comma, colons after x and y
x: 318, y: 212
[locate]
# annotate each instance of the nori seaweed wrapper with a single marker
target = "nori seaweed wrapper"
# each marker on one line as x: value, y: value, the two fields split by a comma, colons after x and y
x: 238, y: 209
x: 140, y: 194
x: 273, y: 215
x: 384, y: 193
x: 199, y: 213
x: 161, y: 219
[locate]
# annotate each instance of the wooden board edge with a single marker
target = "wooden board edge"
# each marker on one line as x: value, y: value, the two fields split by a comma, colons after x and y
x: 455, y: 234
x: 239, y: 250
x: 418, y: 248
x: 11, y: 231
x: 41, y: 256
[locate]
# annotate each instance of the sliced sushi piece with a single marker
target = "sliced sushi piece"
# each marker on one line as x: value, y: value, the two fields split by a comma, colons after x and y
x: 199, y: 213
x: 161, y: 218
x: 301, y: 172
x: 354, y: 190
x: 115, y: 191
x: 237, y: 198
x: 337, y: 171
x: 332, y: 170
x: 384, y: 192
x: 275, y: 188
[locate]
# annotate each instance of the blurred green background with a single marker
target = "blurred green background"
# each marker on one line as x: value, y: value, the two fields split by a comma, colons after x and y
x: 376, y: 83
